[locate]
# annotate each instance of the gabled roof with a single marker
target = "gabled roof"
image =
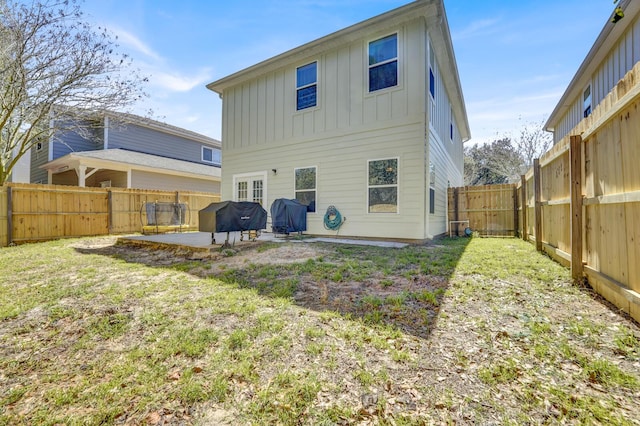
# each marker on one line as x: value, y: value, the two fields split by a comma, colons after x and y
x: 430, y: 10
x: 121, y: 159
x: 123, y: 118
x: 606, y: 41
x: 126, y: 118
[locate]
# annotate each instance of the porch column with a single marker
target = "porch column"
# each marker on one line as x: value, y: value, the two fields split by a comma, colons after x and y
x: 82, y: 173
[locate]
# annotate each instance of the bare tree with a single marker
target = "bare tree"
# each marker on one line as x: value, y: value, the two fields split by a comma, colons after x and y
x: 54, y: 64
x: 532, y: 142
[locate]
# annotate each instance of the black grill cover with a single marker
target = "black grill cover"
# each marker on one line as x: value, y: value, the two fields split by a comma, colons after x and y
x: 288, y: 216
x: 232, y: 216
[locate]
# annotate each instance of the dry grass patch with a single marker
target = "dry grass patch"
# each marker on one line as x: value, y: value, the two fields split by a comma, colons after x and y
x: 462, y: 331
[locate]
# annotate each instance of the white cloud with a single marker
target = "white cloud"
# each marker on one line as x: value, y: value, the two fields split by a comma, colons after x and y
x: 179, y: 83
x: 131, y: 41
x: 476, y: 28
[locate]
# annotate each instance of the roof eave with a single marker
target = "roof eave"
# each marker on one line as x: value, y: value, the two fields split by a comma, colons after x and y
x: 607, y: 38
x: 72, y: 160
x: 425, y: 8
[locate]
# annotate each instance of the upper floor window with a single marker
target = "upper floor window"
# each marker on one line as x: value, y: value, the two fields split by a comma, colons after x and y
x: 210, y: 155
x: 432, y: 76
x: 383, y: 63
x: 306, y: 86
x: 383, y: 186
x: 305, y: 186
x: 432, y: 83
x: 586, y: 102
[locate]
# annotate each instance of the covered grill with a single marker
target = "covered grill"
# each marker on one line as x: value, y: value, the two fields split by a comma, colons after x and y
x: 288, y: 216
x: 232, y: 216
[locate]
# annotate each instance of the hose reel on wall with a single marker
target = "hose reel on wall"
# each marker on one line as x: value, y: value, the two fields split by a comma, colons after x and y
x: 333, y: 219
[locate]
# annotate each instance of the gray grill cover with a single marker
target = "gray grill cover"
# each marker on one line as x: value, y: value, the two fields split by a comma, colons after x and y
x: 232, y: 216
x: 288, y: 216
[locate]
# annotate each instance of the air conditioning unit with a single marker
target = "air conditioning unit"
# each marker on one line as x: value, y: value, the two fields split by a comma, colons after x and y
x: 105, y: 184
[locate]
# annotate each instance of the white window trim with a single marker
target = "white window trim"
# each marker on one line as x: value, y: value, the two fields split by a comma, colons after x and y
x: 584, y: 101
x: 432, y: 186
x: 399, y: 58
x: 316, y: 185
x: 397, y: 185
x: 202, y: 154
x: 262, y: 175
x: 317, y: 84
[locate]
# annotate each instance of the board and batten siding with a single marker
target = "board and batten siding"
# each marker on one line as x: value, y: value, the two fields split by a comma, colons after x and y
x: 141, y: 139
x: 263, y: 110
x: 445, y: 152
x: 342, y: 177
x: 264, y: 135
x: 620, y: 60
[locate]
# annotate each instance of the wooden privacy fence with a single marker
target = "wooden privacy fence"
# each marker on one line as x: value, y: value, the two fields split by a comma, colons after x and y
x: 31, y: 212
x: 580, y: 203
x: 490, y: 210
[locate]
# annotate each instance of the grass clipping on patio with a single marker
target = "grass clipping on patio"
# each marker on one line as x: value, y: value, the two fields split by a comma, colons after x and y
x: 466, y: 331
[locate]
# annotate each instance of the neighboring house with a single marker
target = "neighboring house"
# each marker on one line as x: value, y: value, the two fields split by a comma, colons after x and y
x: 615, y: 52
x: 21, y: 172
x: 370, y: 119
x: 127, y: 151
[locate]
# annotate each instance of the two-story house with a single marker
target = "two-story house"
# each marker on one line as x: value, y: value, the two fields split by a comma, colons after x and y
x: 614, y: 53
x: 128, y: 151
x: 369, y: 119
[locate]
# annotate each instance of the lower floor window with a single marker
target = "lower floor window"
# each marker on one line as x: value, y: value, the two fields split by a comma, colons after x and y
x: 432, y: 188
x: 305, y: 186
x: 383, y: 186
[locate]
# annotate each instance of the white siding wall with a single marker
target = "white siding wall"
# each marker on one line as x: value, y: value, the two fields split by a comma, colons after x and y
x: 263, y: 131
x: 444, y: 152
x: 263, y: 110
x: 618, y: 62
x: 349, y: 126
x: 342, y: 168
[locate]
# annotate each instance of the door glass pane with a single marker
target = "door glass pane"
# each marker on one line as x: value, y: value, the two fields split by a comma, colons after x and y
x: 257, y: 191
x: 242, y: 191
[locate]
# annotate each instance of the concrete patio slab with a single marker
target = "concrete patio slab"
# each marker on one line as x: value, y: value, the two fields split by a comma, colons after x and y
x: 201, y: 241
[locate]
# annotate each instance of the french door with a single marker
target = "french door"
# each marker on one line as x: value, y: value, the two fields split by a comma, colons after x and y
x: 250, y: 188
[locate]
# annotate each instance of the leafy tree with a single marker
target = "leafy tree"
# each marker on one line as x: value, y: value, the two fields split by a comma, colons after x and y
x: 492, y: 163
x: 54, y: 64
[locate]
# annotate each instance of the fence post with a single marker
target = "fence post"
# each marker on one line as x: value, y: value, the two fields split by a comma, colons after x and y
x: 537, y: 190
x: 9, y: 215
x: 456, y: 194
x: 523, y: 203
x: 516, y: 222
x: 575, y: 170
x: 109, y: 211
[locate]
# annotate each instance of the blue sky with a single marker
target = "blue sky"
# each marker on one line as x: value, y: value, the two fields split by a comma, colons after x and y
x: 515, y: 58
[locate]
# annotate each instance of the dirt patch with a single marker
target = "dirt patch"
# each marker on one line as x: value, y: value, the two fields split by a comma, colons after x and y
x: 489, y: 333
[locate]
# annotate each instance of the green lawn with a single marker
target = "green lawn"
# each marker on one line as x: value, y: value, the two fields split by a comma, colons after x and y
x: 459, y: 331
